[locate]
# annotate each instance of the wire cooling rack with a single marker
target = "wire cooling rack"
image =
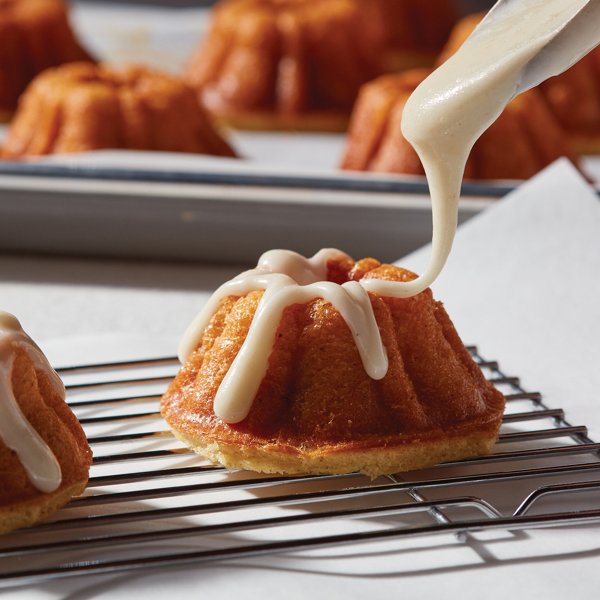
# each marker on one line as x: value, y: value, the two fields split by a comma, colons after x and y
x: 151, y: 502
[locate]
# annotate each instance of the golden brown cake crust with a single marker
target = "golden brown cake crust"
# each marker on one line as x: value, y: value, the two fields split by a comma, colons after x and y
x: 317, y: 411
x: 27, y: 513
x: 35, y: 35
x: 21, y: 503
x: 83, y: 106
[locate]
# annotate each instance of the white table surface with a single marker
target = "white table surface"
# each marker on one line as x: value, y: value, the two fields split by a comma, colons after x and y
x: 56, y: 297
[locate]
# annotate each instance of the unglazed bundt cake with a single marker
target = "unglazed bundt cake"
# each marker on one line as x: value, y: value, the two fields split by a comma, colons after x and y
x: 285, y: 372
x: 34, y: 35
x: 82, y: 106
x: 523, y: 140
x: 44, y: 454
x: 298, y: 64
x: 415, y: 30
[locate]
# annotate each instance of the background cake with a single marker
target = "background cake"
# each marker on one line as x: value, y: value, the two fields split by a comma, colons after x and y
x: 574, y: 97
x: 415, y: 30
x: 299, y: 63
x: 83, y: 106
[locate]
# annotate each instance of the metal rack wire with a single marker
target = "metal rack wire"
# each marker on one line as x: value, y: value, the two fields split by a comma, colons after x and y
x: 151, y: 502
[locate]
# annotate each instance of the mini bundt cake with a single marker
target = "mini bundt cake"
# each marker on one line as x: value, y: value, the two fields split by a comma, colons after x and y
x: 35, y: 35
x: 298, y: 64
x: 287, y: 373
x: 44, y: 454
x: 523, y: 140
x: 83, y: 106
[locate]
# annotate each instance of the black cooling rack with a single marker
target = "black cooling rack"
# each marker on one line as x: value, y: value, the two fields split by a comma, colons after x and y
x: 151, y: 502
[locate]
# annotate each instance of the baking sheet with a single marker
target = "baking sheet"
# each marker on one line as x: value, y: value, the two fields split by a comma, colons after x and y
x: 201, y: 213
x: 286, y: 191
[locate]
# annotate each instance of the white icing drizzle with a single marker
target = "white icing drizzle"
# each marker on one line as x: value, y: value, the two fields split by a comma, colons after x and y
x: 442, y: 119
x: 287, y: 278
x: 16, y: 432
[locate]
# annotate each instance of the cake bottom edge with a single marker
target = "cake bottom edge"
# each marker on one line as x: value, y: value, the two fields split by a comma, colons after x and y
x: 32, y: 511
x: 373, y: 461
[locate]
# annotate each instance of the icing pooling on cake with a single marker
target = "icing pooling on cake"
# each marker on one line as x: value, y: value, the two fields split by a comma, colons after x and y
x: 287, y: 278
x: 16, y: 432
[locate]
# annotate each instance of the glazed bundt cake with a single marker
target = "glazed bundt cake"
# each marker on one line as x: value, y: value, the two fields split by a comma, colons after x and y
x: 44, y: 454
x: 298, y: 64
x: 83, y: 106
x: 523, y: 140
x: 34, y: 35
x: 294, y: 368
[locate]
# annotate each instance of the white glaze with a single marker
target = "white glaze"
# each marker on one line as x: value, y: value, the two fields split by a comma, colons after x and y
x: 16, y: 432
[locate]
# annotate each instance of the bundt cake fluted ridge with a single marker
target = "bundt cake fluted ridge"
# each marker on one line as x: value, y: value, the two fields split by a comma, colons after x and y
x: 299, y: 63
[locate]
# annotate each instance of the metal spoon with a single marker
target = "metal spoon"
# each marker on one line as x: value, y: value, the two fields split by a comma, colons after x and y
x: 566, y: 44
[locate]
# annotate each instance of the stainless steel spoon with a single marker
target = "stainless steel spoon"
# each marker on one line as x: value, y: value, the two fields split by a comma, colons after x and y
x: 569, y: 42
